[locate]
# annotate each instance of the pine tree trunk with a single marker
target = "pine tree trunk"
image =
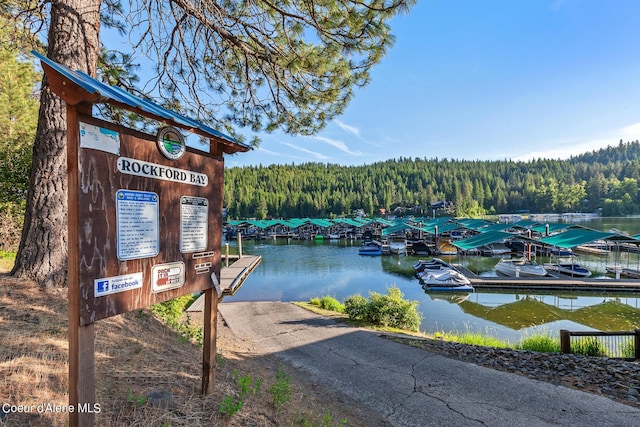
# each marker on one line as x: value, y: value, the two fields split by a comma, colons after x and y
x: 73, y: 41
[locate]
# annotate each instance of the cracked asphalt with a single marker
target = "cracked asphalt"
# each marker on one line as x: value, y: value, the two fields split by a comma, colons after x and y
x: 407, y: 386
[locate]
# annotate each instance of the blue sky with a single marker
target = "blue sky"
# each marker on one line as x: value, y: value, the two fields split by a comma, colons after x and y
x: 487, y: 80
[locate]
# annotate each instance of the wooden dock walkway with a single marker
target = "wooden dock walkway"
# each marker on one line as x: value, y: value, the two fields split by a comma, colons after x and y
x: 231, y: 278
x: 550, y: 283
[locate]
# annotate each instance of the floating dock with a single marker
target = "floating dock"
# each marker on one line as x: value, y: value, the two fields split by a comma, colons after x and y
x: 550, y: 283
x: 231, y: 278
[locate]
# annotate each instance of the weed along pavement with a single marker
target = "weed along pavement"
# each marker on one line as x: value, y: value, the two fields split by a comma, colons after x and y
x: 407, y: 386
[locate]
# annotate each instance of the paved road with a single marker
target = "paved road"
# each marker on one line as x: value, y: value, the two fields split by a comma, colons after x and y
x: 409, y: 386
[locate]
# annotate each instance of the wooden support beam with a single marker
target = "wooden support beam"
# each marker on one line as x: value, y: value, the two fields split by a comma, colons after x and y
x: 81, y: 338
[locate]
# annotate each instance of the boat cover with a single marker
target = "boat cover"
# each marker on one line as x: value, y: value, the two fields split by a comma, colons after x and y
x: 482, y: 239
x: 580, y: 236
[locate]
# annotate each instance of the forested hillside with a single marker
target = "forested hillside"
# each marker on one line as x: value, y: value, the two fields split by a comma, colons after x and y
x: 606, y: 179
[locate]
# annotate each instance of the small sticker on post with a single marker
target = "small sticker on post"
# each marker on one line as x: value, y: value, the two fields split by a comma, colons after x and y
x: 167, y: 276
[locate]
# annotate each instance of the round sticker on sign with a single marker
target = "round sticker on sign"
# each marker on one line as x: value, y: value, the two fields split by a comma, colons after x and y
x: 171, y: 143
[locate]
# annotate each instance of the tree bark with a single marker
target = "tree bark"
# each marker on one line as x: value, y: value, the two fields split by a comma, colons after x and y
x: 72, y: 41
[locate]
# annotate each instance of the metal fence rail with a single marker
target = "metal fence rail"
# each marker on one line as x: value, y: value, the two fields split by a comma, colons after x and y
x: 619, y: 345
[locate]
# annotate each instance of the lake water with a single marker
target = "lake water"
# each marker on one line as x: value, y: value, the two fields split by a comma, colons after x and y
x: 298, y: 270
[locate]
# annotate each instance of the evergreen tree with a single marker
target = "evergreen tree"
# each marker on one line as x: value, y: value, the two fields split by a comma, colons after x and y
x: 290, y: 65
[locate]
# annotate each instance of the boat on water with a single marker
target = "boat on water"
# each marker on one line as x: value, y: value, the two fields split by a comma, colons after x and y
x: 445, y: 280
x: 560, y: 251
x: 567, y: 266
x: 494, y: 249
x: 445, y: 247
x: 420, y: 248
x: 432, y: 264
x: 620, y: 271
x: 593, y: 249
x: 520, y: 267
x: 567, y: 269
x: 370, y: 248
x: 398, y: 247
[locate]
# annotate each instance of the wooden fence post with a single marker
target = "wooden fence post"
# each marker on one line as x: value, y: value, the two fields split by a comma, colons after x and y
x: 565, y: 341
x: 637, y: 344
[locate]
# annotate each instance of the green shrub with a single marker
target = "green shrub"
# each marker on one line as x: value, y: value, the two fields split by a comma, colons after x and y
x: 390, y: 310
x: 12, y: 219
x: 281, y: 390
x: 230, y: 404
x: 356, y: 307
x: 329, y: 303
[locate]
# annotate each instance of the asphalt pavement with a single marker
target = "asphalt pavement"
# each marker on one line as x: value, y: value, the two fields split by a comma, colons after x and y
x: 407, y: 386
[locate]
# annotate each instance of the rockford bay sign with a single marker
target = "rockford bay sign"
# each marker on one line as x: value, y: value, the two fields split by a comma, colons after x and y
x: 151, y: 205
x: 154, y: 171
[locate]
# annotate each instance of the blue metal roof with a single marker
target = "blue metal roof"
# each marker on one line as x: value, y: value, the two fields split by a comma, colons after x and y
x: 115, y: 94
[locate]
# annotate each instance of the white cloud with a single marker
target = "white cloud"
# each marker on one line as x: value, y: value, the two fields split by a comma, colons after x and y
x: 336, y: 144
x: 347, y: 128
x: 304, y: 150
x: 269, y: 152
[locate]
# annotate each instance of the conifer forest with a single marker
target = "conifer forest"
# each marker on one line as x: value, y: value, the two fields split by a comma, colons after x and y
x: 604, y: 181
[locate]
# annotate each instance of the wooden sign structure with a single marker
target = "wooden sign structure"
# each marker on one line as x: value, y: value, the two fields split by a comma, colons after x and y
x: 145, y: 220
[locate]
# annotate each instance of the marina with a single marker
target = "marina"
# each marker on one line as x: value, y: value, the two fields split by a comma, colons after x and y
x: 298, y: 270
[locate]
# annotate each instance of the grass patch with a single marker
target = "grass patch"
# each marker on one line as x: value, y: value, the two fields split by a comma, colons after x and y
x: 540, y: 343
x: 473, y: 338
x: 172, y: 313
x: 7, y: 260
x: 328, y: 303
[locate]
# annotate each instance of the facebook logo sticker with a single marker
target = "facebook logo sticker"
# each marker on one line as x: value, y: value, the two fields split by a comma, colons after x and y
x: 102, y: 287
x: 111, y: 285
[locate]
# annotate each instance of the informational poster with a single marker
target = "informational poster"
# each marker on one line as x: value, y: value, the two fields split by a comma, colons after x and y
x: 137, y: 224
x: 194, y: 220
x: 99, y: 138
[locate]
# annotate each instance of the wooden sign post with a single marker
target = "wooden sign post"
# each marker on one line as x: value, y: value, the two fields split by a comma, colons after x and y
x: 145, y: 222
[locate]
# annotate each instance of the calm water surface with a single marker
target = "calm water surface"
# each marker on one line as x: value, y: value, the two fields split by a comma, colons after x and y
x: 300, y: 270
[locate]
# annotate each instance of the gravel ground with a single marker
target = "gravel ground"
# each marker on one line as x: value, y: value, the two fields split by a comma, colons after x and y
x: 612, y: 378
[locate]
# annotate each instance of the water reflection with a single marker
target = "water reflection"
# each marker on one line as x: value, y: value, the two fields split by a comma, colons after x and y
x: 523, y: 311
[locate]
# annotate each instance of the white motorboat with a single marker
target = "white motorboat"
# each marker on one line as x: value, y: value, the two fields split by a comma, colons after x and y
x: 432, y: 264
x: 445, y: 280
x: 520, y: 267
x: 398, y: 247
x: 569, y: 268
